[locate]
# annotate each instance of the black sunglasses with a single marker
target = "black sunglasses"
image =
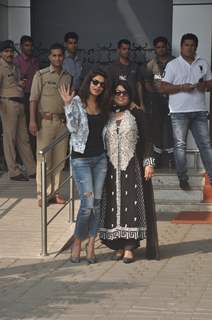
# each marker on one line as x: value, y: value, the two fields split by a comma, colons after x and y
x: 121, y: 93
x: 96, y: 82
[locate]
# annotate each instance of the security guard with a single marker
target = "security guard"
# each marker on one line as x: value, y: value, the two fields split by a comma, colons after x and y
x: 45, y: 100
x: 12, y: 115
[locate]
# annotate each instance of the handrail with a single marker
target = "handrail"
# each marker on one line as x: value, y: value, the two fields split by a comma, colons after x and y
x: 44, y: 219
x: 61, y: 185
x: 45, y: 150
x: 67, y: 157
x: 56, y: 214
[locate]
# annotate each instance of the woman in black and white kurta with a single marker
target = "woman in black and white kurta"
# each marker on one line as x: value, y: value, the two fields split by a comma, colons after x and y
x: 128, y: 212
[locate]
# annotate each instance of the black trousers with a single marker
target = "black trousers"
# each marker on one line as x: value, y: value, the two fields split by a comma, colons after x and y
x: 161, y: 124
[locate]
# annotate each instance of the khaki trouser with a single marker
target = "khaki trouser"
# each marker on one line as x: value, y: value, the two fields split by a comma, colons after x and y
x: 50, y: 130
x: 32, y: 139
x: 15, y: 136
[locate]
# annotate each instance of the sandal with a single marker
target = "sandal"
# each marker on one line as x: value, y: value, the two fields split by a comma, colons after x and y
x: 129, y: 259
x: 118, y: 255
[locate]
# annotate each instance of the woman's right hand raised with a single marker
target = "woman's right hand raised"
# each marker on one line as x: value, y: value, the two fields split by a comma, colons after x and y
x: 66, y: 94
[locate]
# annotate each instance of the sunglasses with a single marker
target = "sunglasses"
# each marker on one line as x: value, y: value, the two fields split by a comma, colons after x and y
x: 121, y: 93
x: 96, y: 82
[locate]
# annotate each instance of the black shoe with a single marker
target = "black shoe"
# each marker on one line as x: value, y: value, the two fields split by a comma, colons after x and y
x: 32, y: 176
x: 184, y: 185
x: 19, y: 177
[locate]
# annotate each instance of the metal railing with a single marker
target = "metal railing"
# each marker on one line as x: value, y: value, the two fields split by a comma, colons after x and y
x: 44, y: 197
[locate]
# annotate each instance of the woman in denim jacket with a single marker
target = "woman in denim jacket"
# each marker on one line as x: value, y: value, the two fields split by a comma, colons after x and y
x: 86, y: 116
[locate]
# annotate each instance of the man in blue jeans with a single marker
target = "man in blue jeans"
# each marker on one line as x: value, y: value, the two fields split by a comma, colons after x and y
x: 186, y: 79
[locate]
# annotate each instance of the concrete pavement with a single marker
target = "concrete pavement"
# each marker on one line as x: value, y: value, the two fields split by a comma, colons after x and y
x: 20, y: 221
x: 179, y: 286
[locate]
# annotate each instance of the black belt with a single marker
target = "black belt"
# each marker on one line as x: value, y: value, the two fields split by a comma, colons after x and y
x: 15, y: 99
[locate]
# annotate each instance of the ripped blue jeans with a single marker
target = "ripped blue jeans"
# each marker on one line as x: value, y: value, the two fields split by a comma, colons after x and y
x: 89, y: 175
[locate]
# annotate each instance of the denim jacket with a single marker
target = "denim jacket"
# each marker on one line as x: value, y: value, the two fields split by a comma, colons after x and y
x: 77, y: 124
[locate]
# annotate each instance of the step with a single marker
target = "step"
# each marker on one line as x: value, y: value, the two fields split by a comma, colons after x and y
x: 170, y: 198
x: 173, y: 193
x: 172, y: 172
x: 160, y: 180
x: 177, y: 206
x: 194, y: 160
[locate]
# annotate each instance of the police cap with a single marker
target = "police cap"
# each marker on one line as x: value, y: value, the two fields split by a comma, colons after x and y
x: 7, y: 44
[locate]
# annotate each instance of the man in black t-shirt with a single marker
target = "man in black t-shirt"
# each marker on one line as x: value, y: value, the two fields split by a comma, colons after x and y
x: 124, y: 69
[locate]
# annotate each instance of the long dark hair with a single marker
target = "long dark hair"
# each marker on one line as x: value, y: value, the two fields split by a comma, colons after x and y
x: 126, y: 86
x: 103, y: 98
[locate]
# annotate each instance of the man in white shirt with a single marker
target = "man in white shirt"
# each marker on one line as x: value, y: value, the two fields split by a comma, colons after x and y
x: 186, y: 79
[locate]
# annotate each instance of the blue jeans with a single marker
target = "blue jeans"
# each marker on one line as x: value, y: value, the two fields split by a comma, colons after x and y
x: 197, y: 122
x: 89, y: 175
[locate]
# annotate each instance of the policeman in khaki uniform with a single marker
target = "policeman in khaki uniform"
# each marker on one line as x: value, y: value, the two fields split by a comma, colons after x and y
x: 46, y: 100
x: 15, y: 133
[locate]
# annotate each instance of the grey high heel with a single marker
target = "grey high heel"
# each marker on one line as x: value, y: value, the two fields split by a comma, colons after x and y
x: 91, y: 260
x: 75, y: 259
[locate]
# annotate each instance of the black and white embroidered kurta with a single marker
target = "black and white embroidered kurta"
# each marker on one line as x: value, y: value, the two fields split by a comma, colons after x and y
x: 124, y: 209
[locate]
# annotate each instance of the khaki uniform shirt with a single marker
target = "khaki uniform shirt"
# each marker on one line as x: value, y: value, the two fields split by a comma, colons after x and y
x: 45, y: 85
x: 156, y: 72
x: 9, y: 78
